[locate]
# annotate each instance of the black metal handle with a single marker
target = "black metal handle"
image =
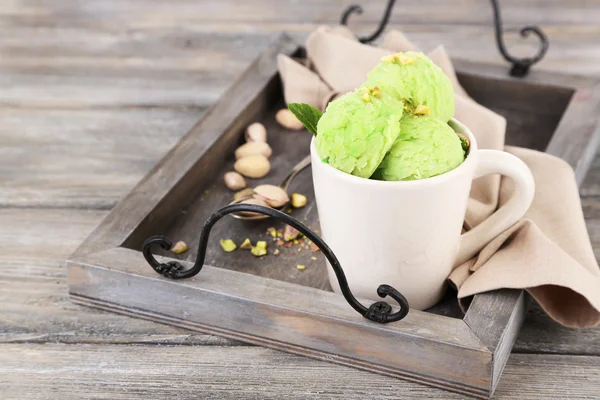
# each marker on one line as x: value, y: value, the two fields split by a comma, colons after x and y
x: 520, y: 66
x: 379, y: 311
x: 382, y: 24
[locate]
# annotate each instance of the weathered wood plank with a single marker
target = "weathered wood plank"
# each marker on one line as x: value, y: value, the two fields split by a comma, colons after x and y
x: 184, y: 372
x: 257, y: 12
x: 540, y: 334
x: 34, y: 306
x: 82, y: 158
x: 59, y: 66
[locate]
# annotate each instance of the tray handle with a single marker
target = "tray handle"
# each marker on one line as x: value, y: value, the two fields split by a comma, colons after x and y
x: 379, y: 311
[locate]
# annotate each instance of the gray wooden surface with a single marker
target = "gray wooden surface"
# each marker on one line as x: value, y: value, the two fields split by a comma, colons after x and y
x: 93, y: 93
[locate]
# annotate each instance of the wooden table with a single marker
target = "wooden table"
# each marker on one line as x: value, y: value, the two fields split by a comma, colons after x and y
x: 94, y: 92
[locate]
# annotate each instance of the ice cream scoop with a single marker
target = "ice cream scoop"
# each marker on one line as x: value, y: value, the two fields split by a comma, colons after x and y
x: 358, y: 129
x: 426, y: 146
x: 413, y: 78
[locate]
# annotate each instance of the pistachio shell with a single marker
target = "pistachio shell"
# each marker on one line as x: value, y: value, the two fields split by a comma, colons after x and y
x: 288, y: 120
x: 243, y: 194
x: 273, y: 195
x: 253, y: 201
x: 255, y: 166
x: 256, y: 132
x: 252, y: 149
x: 234, y: 181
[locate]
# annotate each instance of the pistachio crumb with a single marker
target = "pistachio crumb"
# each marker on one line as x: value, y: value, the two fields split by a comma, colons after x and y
x: 300, y: 267
x: 422, y: 110
x: 228, y: 245
x: 276, y: 252
x: 314, y: 258
x: 272, y: 231
x: 298, y: 200
x: 246, y: 244
x: 260, y: 249
x: 180, y: 247
x: 290, y: 233
x: 405, y: 60
x: 376, y: 92
x: 365, y: 97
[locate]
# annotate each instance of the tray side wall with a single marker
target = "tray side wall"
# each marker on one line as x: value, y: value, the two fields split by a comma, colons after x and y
x: 436, y: 351
x: 576, y: 141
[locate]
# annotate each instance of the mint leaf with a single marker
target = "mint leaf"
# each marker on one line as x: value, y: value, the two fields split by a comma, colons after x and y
x: 308, y: 115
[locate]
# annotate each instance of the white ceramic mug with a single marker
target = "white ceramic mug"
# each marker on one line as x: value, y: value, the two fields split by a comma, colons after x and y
x: 407, y: 234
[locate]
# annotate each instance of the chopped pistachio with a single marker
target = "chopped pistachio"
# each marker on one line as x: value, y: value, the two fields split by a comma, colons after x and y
x: 314, y: 248
x: 290, y: 233
x: 376, y: 92
x: 258, y: 251
x: 298, y: 200
x: 228, y: 245
x: 422, y: 110
x: 314, y: 258
x: 276, y: 252
x: 180, y: 247
x: 296, y: 241
x: 300, y: 267
x: 246, y: 244
x: 279, y: 242
x: 404, y: 59
x: 389, y: 59
x: 272, y: 231
x: 299, y: 249
x: 365, y: 97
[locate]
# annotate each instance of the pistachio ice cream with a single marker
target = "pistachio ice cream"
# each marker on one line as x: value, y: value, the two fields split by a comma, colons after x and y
x: 358, y: 129
x: 414, y: 79
x: 425, y: 147
x: 395, y: 127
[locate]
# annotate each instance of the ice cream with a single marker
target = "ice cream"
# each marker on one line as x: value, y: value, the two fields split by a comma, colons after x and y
x: 413, y: 78
x: 425, y: 147
x: 393, y: 128
x: 358, y: 129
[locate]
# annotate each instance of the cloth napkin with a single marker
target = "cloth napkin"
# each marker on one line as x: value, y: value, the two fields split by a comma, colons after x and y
x: 548, y: 252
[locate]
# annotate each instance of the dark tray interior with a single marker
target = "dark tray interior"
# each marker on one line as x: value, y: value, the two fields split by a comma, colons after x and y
x: 532, y: 112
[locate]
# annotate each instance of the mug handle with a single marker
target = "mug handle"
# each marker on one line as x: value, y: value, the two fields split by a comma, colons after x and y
x: 498, y: 162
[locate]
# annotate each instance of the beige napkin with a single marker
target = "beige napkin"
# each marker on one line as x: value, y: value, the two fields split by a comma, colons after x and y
x: 548, y: 252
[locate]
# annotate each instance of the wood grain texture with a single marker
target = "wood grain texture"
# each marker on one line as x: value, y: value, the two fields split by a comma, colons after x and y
x: 66, y: 66
x: 578, y: 133
x: 34, y: 306
x: 82, y: 158
x: 293, y: 318
x: 36, y: 309
x: 184, y: 372
x: 182, y: 173
x: 119, y: 280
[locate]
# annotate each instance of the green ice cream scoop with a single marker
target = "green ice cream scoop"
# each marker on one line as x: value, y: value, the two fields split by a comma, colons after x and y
x: 358, y: 129
x: 425, y: 147
x: 413, y: 78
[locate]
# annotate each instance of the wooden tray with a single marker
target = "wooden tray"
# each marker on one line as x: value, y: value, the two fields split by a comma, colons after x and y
x: 267, y: 301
